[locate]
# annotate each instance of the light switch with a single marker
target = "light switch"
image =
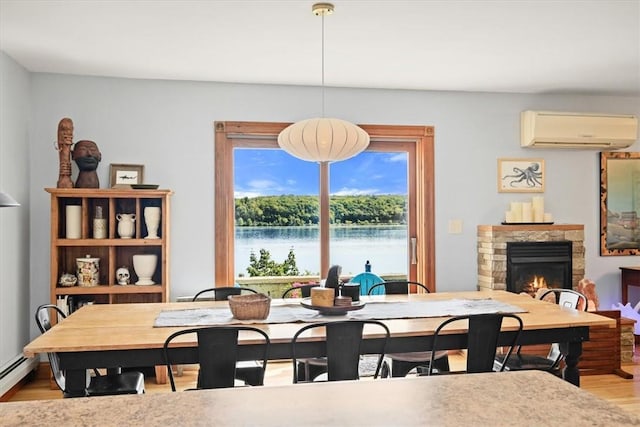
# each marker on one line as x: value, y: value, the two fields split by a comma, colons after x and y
x: 455, y: 226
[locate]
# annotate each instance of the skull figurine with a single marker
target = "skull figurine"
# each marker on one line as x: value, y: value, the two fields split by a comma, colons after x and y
x: 123, y: 276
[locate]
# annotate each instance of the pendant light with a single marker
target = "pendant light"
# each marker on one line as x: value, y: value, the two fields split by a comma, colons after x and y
x: 323, y: 139
x: 6, y: 201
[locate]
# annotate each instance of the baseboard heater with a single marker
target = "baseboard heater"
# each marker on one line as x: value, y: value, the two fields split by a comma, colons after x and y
x: 15, y: 370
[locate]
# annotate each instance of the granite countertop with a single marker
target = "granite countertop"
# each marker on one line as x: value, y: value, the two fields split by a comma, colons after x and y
x: 527, y: 398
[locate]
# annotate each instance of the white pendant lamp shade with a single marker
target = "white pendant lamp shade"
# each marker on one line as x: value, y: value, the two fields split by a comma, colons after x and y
x: 6, y: 201
x: 323, y: 140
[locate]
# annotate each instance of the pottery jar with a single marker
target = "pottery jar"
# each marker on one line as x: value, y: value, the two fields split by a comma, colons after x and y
x: 88, y: 271
x: 126, y: 225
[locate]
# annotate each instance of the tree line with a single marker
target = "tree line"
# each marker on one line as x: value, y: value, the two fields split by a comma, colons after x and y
x: 289, y: 210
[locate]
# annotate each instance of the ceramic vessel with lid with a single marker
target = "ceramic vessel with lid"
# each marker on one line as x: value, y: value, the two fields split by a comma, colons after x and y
x: 88, y: 271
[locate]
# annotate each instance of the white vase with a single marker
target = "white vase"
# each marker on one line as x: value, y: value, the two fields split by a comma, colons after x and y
x: 144, y: 266
x: 126, y: 225
x: 152, y: 220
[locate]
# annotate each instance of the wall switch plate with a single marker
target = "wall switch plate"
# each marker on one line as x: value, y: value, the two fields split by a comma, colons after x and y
x: 455, y: 226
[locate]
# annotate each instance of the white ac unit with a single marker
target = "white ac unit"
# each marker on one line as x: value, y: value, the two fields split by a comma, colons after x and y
x: 550, y: 129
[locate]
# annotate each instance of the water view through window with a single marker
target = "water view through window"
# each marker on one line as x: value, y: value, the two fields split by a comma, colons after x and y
x: 277, y: 210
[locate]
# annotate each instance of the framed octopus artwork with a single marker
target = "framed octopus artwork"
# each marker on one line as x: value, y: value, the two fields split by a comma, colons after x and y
x: 521, y: 176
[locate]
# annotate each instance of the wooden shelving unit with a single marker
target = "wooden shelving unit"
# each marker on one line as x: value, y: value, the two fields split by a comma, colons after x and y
x: 114, y: 252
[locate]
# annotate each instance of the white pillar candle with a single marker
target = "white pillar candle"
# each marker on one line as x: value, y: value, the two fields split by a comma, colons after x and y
x: 527, y: 215
x: 516, y: 210
x: 509, y: 217
x: 73, y: 221
x: 538, y: 208
x: 548, y: 217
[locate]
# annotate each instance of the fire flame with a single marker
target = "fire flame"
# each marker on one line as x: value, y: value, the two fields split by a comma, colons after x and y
x: 538, y: 283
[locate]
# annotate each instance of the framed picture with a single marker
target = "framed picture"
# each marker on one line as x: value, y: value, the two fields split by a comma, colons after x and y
x: 520, y: 175
x: 619, y: 203
x: 122, y: 176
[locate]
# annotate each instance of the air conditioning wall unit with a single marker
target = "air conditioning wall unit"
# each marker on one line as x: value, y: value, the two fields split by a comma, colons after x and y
x: 550, y: 129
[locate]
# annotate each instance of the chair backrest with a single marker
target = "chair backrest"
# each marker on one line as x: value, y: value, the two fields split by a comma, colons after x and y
x: 221, y: 294
x: 343, y: 347
x: 567, y: 298
x: 217, y: 354
x: 396, y: 287
x: 482, y: 340
x: 43, y: 317
x: 303, y: 291
x: 43, y: 320
x: 367, y: 280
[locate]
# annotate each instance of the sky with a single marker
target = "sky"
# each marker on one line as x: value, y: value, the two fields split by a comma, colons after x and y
x: 268, y: 172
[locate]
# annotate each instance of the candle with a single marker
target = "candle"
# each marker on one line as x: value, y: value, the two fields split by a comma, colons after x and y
x: 527, y: 215
x: 548, y: 217
x: 516, y: 210
x: 509, y: 217
x: 73, y: 221
x: 538, y: 208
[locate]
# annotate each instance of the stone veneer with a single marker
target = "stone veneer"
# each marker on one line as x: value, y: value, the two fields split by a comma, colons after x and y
x: 492, y: 249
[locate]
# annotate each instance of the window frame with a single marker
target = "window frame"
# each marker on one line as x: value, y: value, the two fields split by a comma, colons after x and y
x: 421, y: 225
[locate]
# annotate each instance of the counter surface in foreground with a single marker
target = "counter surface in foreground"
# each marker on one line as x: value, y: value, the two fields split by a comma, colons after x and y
x: 528, y: 398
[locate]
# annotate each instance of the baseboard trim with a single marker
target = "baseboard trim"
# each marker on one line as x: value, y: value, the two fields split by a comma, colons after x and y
x: 14, y: 376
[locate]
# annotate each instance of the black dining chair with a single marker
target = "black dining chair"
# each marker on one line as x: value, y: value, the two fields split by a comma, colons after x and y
x: 552, y: 362
x: 131, y: 382
x: 217, y: 354
x: 313, y: 366
x: 482, y: 335
x: 342, y: 344
x: 251, y: 372
x: 302, y: 291
x: 221, y: 293
x: 403, y: 363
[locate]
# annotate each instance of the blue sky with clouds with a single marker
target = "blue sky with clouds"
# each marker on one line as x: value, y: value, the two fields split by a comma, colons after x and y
x: 268, y: 172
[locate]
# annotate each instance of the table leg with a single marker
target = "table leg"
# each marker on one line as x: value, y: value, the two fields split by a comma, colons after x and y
x: 76, y: 383
x: 572, y: 352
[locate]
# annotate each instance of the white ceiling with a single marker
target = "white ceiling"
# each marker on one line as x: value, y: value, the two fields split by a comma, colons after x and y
x: 552, y: 46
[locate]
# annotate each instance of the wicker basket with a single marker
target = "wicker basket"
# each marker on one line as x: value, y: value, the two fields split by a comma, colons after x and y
x: 252, y: 306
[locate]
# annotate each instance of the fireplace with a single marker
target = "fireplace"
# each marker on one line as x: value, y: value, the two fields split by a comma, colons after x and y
x: 492, y: 250
x: 535, y: 265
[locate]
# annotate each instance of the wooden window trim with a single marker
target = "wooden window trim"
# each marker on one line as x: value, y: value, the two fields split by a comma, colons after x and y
x: 229, y: 135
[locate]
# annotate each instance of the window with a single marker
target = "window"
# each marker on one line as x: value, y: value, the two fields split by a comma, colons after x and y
x: 414, y: 143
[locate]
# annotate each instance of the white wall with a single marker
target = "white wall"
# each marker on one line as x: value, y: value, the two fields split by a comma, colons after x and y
x: 15, y: 317
x: 168, y: 127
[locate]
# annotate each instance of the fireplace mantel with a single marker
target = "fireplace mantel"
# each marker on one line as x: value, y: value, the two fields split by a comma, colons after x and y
x: 492, y: 249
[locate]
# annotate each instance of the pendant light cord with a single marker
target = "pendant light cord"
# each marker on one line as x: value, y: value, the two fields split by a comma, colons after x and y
x: 322, y: 56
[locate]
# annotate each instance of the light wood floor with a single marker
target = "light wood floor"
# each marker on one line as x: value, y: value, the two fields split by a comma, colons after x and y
x: 621, y: 392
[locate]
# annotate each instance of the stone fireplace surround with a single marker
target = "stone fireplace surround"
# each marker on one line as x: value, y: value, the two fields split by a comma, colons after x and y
x: 492, y: 249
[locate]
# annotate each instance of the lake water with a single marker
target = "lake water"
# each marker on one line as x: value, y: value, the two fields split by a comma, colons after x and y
x: 384, y: 246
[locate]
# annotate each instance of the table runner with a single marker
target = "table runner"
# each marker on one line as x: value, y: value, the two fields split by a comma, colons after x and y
x: 291, y: 312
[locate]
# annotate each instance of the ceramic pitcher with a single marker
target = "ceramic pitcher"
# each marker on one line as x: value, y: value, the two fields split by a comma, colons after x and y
x: 126, y: 225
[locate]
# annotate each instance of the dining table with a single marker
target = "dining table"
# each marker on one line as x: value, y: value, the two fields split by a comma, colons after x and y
x: 525, y: 398
x: 118, y: 336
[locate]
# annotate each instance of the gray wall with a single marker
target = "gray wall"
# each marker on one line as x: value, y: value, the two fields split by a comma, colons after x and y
x: 15, y: 317
x: 168, y: 127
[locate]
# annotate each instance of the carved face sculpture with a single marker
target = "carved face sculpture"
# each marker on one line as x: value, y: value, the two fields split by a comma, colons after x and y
x: 65, y: 132
x: 123, y: 276
x: 86, y: 155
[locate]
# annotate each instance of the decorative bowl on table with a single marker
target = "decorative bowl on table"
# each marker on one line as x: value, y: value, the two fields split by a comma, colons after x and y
x: 335, y: 310
x: 249, y: 307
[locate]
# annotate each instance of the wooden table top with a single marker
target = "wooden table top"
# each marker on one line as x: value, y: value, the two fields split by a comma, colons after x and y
x: 130, y: 326
x: 493, y: 399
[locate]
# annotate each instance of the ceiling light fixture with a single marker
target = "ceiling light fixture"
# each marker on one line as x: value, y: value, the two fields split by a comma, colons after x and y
x: 323, y: 139
x: 6, y: 201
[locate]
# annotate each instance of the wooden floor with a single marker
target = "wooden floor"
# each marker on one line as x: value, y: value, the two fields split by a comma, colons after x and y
x: 621, y: 392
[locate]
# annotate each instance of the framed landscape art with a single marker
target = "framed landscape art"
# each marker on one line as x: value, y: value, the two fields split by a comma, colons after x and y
x: 619, y: 203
